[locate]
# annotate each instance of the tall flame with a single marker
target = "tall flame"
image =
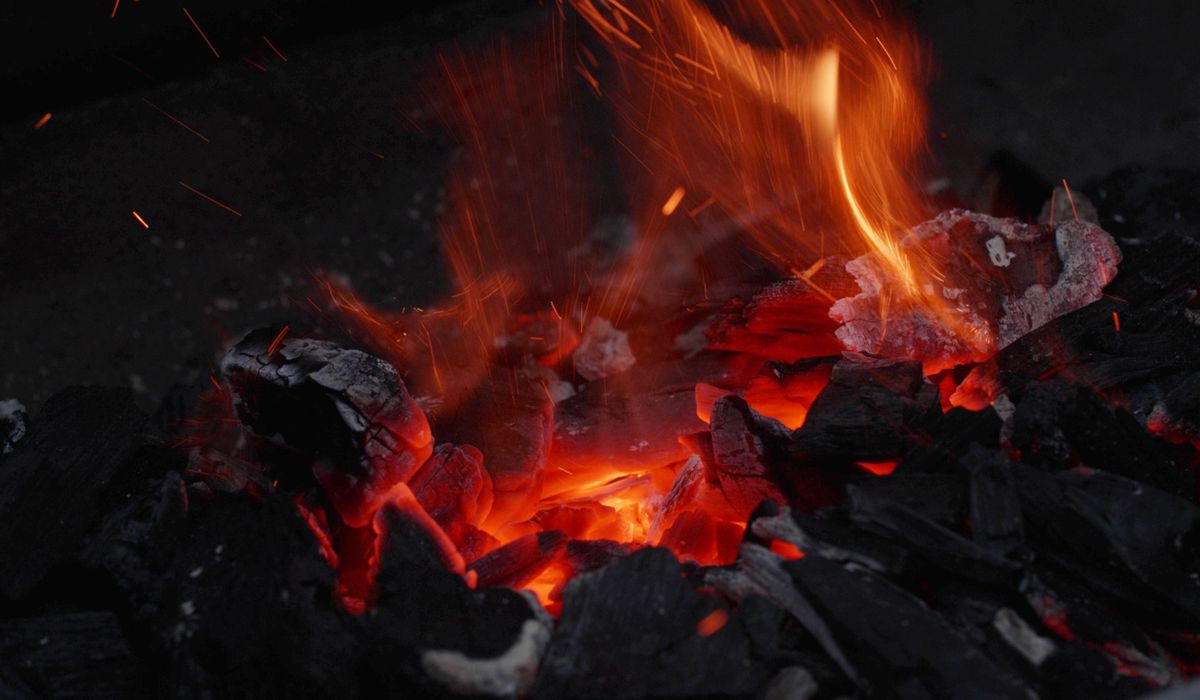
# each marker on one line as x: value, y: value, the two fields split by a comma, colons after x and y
x: 802, y: 120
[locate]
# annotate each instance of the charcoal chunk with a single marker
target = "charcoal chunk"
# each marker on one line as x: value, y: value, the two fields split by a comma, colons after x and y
x: 70, y: 655
x: 902, y: 646
x: 519, y: 561
x: 948, y: 551
x: 52, y: 486
x: 992, y: 495
x: 1127, y: 539
x: 1059, y: 424
x: 510, y: 419
x: 626, y: 631
x: 247, y: 607
x: 135, y: 543
x: 868, y: 412
x: 428, y: 633
x: 349, y: 410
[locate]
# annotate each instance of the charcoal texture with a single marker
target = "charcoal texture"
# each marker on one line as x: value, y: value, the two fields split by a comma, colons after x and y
x: 626, y: 631
x: 69, y: 655
x: 52, y: 487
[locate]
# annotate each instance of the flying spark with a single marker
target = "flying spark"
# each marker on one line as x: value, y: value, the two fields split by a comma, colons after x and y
x: 177, y: 120
x: 202, y: 34
x: 42, y: 122
x: 224, y: 206
x: 672, y: 203
x: 140, y: 219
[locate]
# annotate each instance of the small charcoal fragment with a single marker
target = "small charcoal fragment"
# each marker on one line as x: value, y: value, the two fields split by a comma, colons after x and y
x: 519, y: 561
x: 992, y: 497
x: 603, y: 351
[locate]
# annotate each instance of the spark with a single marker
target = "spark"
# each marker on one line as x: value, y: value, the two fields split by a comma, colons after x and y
x: 216, y: 384
x: 1116, y: 322
x: 257, y: 65
x: 277, y: 51
x: 703, y: 205
x: 888, y: 54
x: 224, y: 206
x: 278, y: 340
x: 115, y: 6
x: 202, y: 34
x: 672, y: 203
x: 42, y: 122
x: 177, y: 120
x: 1070, y: 199
x: 140, y: 219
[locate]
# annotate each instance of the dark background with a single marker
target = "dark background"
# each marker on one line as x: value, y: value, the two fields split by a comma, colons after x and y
x: 320, y: 155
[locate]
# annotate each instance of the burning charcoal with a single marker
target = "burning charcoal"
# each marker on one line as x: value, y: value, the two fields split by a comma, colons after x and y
x: 405, y: 528
x: 950, y: 436
x: 135, y: 543
x: 71, y: 655
x: 787, y: 321
x: 1129, y: 540
x: 453, y: 486
x: 510, y: 419
x: 429, y: 633
x: 898, y: 643
x: 952, y: 553
x: 992, y: 496
x: 747, y: 449
x: 828, y: 535
x: 588, y: 555
x: 1004, y: 278
x: 519, y: 561
x: 1076, y: 617
x: 347, y: 409
x: 1059, y: 424
x: 631, y: 422
x: 1177, y: 416
x: 52, y: 486
x: 627, y: 630
x: 867, y: 412
x: 247, y: 606
x: 603, y: 351
x: 13, y: 420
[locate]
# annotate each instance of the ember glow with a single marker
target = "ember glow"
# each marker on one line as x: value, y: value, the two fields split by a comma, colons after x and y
x: 792, y: 128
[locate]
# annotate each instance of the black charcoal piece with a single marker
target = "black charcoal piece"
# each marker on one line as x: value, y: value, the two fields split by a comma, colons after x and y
x: 938, y: 546
x: 937, y: 496
x: 348, y: 410
x: 1123, y: 538
x: 428, y: 633
x: 1059, y: 424
x: 519, y: 561
x: 867, y: 412
x: 53, y: 485
x: 135, y: 543
x: 247, y: 607
x: 630, y: 629
x: 510, y: 419
x: 900, y: 645
x: 992, y: 498
x: 65, y: 656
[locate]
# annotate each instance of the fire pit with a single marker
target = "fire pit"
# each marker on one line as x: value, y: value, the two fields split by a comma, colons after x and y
x: 789, y: 426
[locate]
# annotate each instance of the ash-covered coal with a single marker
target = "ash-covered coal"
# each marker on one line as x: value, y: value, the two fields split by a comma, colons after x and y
x: 999, y: 280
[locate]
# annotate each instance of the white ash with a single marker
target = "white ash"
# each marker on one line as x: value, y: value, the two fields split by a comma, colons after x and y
x: 1021, y: 637
x: 509, y: 675
x: 603, y: 351
x: 792, y: 683
x: 1001, y: 279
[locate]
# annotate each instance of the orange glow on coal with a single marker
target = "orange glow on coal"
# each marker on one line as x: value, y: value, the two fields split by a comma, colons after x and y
x: 787, y: 550
x: 712, y: 623
x: 795, y: 125
x: 878, y: 468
